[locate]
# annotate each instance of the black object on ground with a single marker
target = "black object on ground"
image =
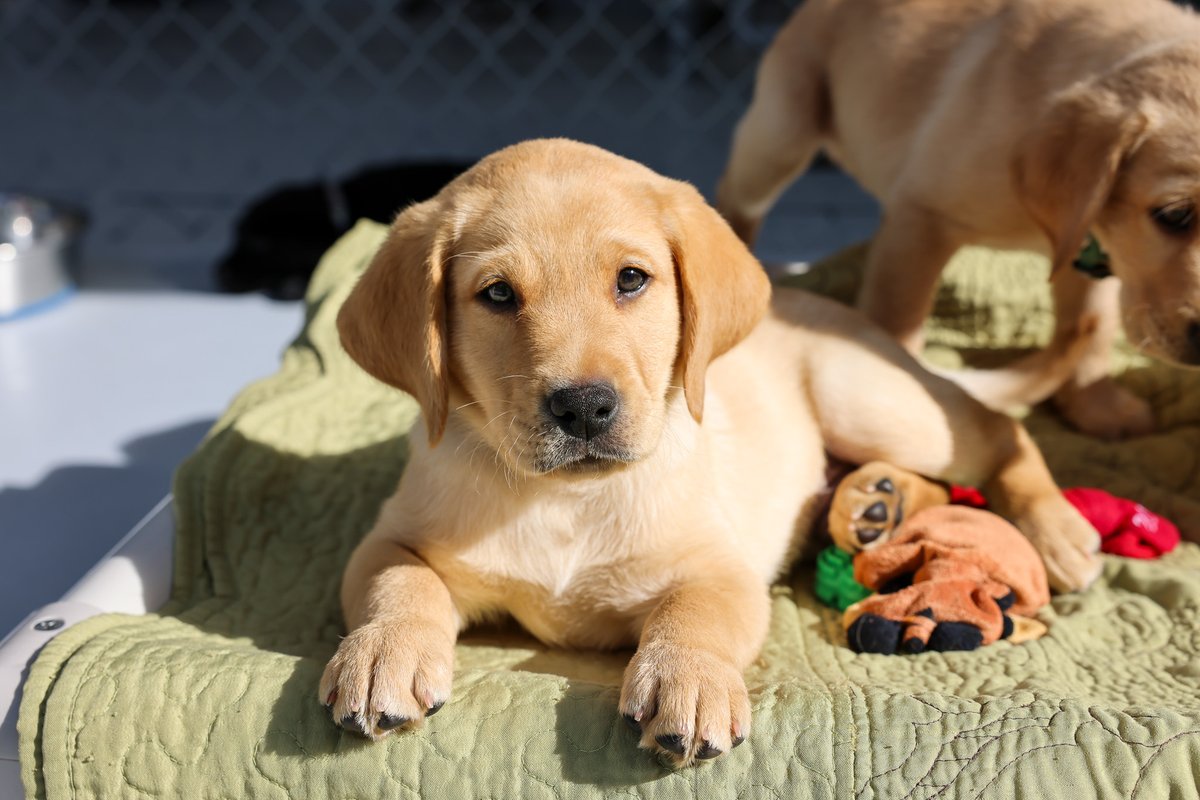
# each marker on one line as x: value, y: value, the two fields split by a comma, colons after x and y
x: 283, y: 234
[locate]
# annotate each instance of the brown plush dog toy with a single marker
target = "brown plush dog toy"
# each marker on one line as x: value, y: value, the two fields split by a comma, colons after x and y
x: 949, y: 578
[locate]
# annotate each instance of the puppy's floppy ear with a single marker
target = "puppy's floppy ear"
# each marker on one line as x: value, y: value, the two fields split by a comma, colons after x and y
x: 723, y: 290
x: 394, y: 321
x: 1066, y: 165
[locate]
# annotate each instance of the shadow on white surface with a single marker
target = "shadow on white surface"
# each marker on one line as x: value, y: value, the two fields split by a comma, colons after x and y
x: 55, y: 530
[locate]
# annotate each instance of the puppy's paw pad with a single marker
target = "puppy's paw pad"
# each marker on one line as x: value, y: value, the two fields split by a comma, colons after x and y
x: 387, y: 677
x: 684, y: 703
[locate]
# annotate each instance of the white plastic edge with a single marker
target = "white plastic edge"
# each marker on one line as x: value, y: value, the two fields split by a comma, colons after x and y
x: 133, y: 578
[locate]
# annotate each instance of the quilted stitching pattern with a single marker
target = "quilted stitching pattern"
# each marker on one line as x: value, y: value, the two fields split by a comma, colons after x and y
x: 215, y: 697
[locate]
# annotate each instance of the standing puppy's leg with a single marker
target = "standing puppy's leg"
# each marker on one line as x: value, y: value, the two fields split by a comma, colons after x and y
x: 775, y: 140
x: 903, y: 266
x: 894, y: 410
x: 396, y: 665
x: 1091, y: 400
x: 684, y: 690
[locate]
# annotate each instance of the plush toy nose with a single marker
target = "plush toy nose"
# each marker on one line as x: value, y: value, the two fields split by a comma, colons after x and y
x: 868, y: 535
x: 584, y: 411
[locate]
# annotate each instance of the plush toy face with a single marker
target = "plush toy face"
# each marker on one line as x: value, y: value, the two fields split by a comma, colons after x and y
x: 871, y: 502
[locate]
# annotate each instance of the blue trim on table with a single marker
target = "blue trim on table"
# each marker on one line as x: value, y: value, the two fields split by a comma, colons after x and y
x: 45, y: 304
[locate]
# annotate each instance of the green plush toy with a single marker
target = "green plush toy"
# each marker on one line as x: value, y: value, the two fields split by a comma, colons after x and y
x: 836, y: 586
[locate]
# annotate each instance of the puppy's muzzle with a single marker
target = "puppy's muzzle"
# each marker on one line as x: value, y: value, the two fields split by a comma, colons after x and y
x: 586, y: 411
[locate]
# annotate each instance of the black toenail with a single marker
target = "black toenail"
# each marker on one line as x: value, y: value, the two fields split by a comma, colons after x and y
x: 389, y: 721
x: 351, y: 723
x: 885, y: 486
x: 868, y: 535
x: 738, y: 740
x: 876, y: 513
x: 707, y: 751
x: 433, y: 709
x: 633, y: 724
x: 671, y: 742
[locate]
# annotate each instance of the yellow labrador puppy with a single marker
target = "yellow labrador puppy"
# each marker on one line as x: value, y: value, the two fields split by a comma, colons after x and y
x: 623, y: 440
x: 1021, y: 124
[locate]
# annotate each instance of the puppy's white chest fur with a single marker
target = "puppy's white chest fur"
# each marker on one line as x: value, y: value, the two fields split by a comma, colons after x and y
x: 578, y: 547
x: 545, y: 548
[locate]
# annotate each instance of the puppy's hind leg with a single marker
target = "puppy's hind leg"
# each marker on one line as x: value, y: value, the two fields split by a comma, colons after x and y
x: 874, y: 402
x: 1091, y: 400
x: 903, y: 266
x: 776, y: 138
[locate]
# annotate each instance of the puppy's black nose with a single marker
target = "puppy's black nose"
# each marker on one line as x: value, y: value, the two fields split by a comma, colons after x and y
x: 584, y: 411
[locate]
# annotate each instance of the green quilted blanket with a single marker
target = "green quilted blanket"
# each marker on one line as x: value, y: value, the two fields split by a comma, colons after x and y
x: 215, y: 697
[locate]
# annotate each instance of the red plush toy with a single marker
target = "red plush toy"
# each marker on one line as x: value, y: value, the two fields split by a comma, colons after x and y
x: 1126, y: 528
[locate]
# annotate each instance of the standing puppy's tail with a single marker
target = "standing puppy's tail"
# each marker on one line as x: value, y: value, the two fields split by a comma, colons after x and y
x: 1031, y: 379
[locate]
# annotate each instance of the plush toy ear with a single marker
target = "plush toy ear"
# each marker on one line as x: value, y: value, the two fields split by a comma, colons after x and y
x: 1066, y: 166
x: 393, y: 324
x: 723, y: 289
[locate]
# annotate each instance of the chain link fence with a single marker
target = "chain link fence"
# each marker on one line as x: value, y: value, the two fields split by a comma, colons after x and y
x: 163, y: 118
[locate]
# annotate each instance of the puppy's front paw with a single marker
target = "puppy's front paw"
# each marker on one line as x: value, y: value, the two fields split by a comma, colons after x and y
x: 388, y: 676
x: 1068, y: 544
x: 1106, y: 410
x: 685, y: 703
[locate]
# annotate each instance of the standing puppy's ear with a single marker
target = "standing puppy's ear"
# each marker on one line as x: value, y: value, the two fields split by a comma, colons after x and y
x: 723, y: 289
x: 393, y: 324
x: 1066, y: 165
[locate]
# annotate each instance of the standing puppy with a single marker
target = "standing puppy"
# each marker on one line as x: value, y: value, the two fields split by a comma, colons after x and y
x: 623, y: 442
x: 1023, y: 124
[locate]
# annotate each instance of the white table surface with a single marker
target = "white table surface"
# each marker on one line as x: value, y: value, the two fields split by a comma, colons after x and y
x: 100, y: 398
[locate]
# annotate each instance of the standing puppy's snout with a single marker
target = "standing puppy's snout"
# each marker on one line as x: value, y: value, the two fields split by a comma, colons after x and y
x: 585, y: 411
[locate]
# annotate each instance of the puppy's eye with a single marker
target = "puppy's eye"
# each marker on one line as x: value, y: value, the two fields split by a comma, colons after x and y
x: 1176, y: 217
x: 630, y: 280
x: 499, y: 294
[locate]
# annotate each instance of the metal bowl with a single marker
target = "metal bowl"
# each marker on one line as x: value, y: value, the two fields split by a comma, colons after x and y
x: 36, y: 246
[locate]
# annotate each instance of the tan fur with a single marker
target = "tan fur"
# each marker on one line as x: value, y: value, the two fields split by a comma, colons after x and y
x: 671, y: 540
x: 1019, y: 124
